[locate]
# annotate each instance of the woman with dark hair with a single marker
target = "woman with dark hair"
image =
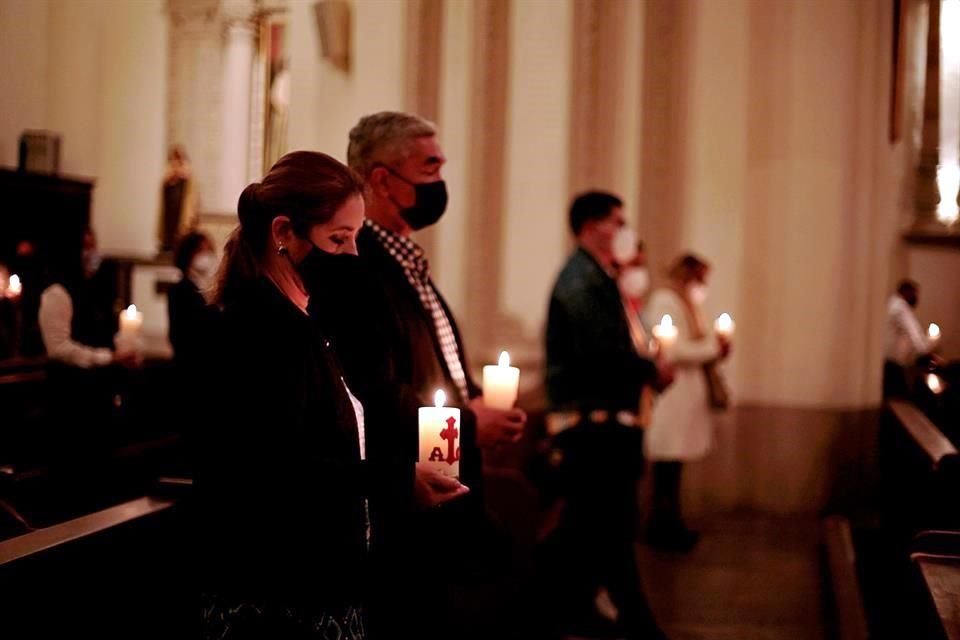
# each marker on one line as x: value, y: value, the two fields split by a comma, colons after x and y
x: 681, y: 429
x: 191, y: 317
x: 283, y: 480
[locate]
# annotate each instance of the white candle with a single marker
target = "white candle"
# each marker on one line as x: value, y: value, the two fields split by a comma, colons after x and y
x: 14, y: 288
x: 130, y: 321
x: 933, y: 333
x: 500, y: 384
x: 725, y: 325
x: 440, y: 437
x: 665, y: 333
x: 935, y: 383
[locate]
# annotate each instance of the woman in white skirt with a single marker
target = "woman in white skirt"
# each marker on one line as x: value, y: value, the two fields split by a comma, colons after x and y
x: 682, y: 426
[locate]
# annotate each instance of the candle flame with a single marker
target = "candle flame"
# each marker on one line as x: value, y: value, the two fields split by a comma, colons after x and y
x: 666, y: 321
x: 935, y: 383
x: 132, y: 311
x: 504, y: 359
x: 933, y: 330
x: 439, y: 398
x: 14, y: 284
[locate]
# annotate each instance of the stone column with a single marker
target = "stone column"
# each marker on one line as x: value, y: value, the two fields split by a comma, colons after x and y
x: 238, y: 51
x: 193, y: 91
x: 485, y: 187
x: 927, y: 194
x: 424, y: 62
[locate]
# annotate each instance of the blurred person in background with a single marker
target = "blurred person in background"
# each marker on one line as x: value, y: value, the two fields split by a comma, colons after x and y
x: 681, y: 429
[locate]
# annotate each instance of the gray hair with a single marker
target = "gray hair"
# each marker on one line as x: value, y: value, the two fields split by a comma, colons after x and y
x: 385, y: 138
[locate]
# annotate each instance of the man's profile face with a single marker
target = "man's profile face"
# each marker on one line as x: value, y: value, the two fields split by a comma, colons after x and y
x: 425, y: 162
x: 422, y: 166
x: 605, y: 229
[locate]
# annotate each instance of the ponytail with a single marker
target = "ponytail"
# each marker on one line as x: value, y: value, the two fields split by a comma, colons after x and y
x: 241, y: 257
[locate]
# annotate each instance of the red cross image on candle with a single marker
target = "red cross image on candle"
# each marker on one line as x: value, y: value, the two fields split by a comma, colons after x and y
x: 440, y: 436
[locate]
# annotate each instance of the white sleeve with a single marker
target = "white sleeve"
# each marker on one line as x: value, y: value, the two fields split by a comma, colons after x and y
x: 686, y: 351
x: 55, y: 318
x: 909, y: 324
x: 695, y: 352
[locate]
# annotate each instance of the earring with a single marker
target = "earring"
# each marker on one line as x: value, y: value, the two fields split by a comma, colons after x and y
x: 281, y: 250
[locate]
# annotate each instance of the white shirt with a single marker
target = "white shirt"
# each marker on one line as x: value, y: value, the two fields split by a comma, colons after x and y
x: 362, y: 434
x: 55, y: 319
x: 358, y: 412
x: 906, y: 340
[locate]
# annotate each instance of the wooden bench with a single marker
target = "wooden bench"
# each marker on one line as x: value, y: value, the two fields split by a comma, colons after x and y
x: 121, y: 572
x: 941, y: 575
x: 849, y: 615
x: 934, y: 444
x: 920, y: 470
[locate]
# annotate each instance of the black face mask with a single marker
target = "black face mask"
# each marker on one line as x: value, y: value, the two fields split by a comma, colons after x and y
x: 430, y: 203
x: 324, y: 273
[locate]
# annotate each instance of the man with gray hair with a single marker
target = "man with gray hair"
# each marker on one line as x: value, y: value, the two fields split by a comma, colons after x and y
x: 400, y: 344
x: 399, y: 157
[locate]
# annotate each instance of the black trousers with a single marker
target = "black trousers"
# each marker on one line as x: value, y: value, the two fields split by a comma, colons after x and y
x: 894, y: 381
x: 667, y: 514
x: 597, y: 472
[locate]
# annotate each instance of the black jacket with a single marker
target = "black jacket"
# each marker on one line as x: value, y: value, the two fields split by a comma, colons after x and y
x: 192, y: 323
x: 591, y: 360
x: 280, y: 482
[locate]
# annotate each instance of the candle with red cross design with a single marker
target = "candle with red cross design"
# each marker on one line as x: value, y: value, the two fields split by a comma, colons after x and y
x: 440, y: 436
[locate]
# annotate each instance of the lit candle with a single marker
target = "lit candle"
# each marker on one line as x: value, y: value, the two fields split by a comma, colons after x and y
x: 128, y: 339
x: 130, y: 321
x: 14, y: 288
x: 500, y: 384
x: 666, y: 333
x: 440, y: 436
x: 935, y: 383
x: 933, y: 333
x: 725, y: 326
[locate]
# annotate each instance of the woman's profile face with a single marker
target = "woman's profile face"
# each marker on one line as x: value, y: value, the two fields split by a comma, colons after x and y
x: 339, y: 233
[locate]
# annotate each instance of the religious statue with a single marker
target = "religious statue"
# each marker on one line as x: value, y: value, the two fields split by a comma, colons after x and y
x: 178, y: 212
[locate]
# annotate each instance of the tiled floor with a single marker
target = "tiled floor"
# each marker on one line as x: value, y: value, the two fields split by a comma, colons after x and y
x: 751, y: 578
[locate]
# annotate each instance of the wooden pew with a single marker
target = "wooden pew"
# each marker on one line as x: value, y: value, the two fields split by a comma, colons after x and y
x: 122, y: 572
x: 849, y: 616
x: 43, y: 464
x: 920, y: 469
x: 934, y: 444
x: 919, y: 488
x: 937, y: 559
x: 942, y: 576
x: 38, y: 541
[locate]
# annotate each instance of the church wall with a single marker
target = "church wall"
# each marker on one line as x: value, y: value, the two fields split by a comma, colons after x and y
x: 326, y: 102
x: 125, y: 106
x: 23, y: 100
x: 95, y: 73
x: 787, y: 192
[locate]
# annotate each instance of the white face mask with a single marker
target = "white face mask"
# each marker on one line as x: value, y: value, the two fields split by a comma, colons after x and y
x: 624, y: 246
x: 634, y: 281
x: 202, y: 269
x: 697, y: 293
